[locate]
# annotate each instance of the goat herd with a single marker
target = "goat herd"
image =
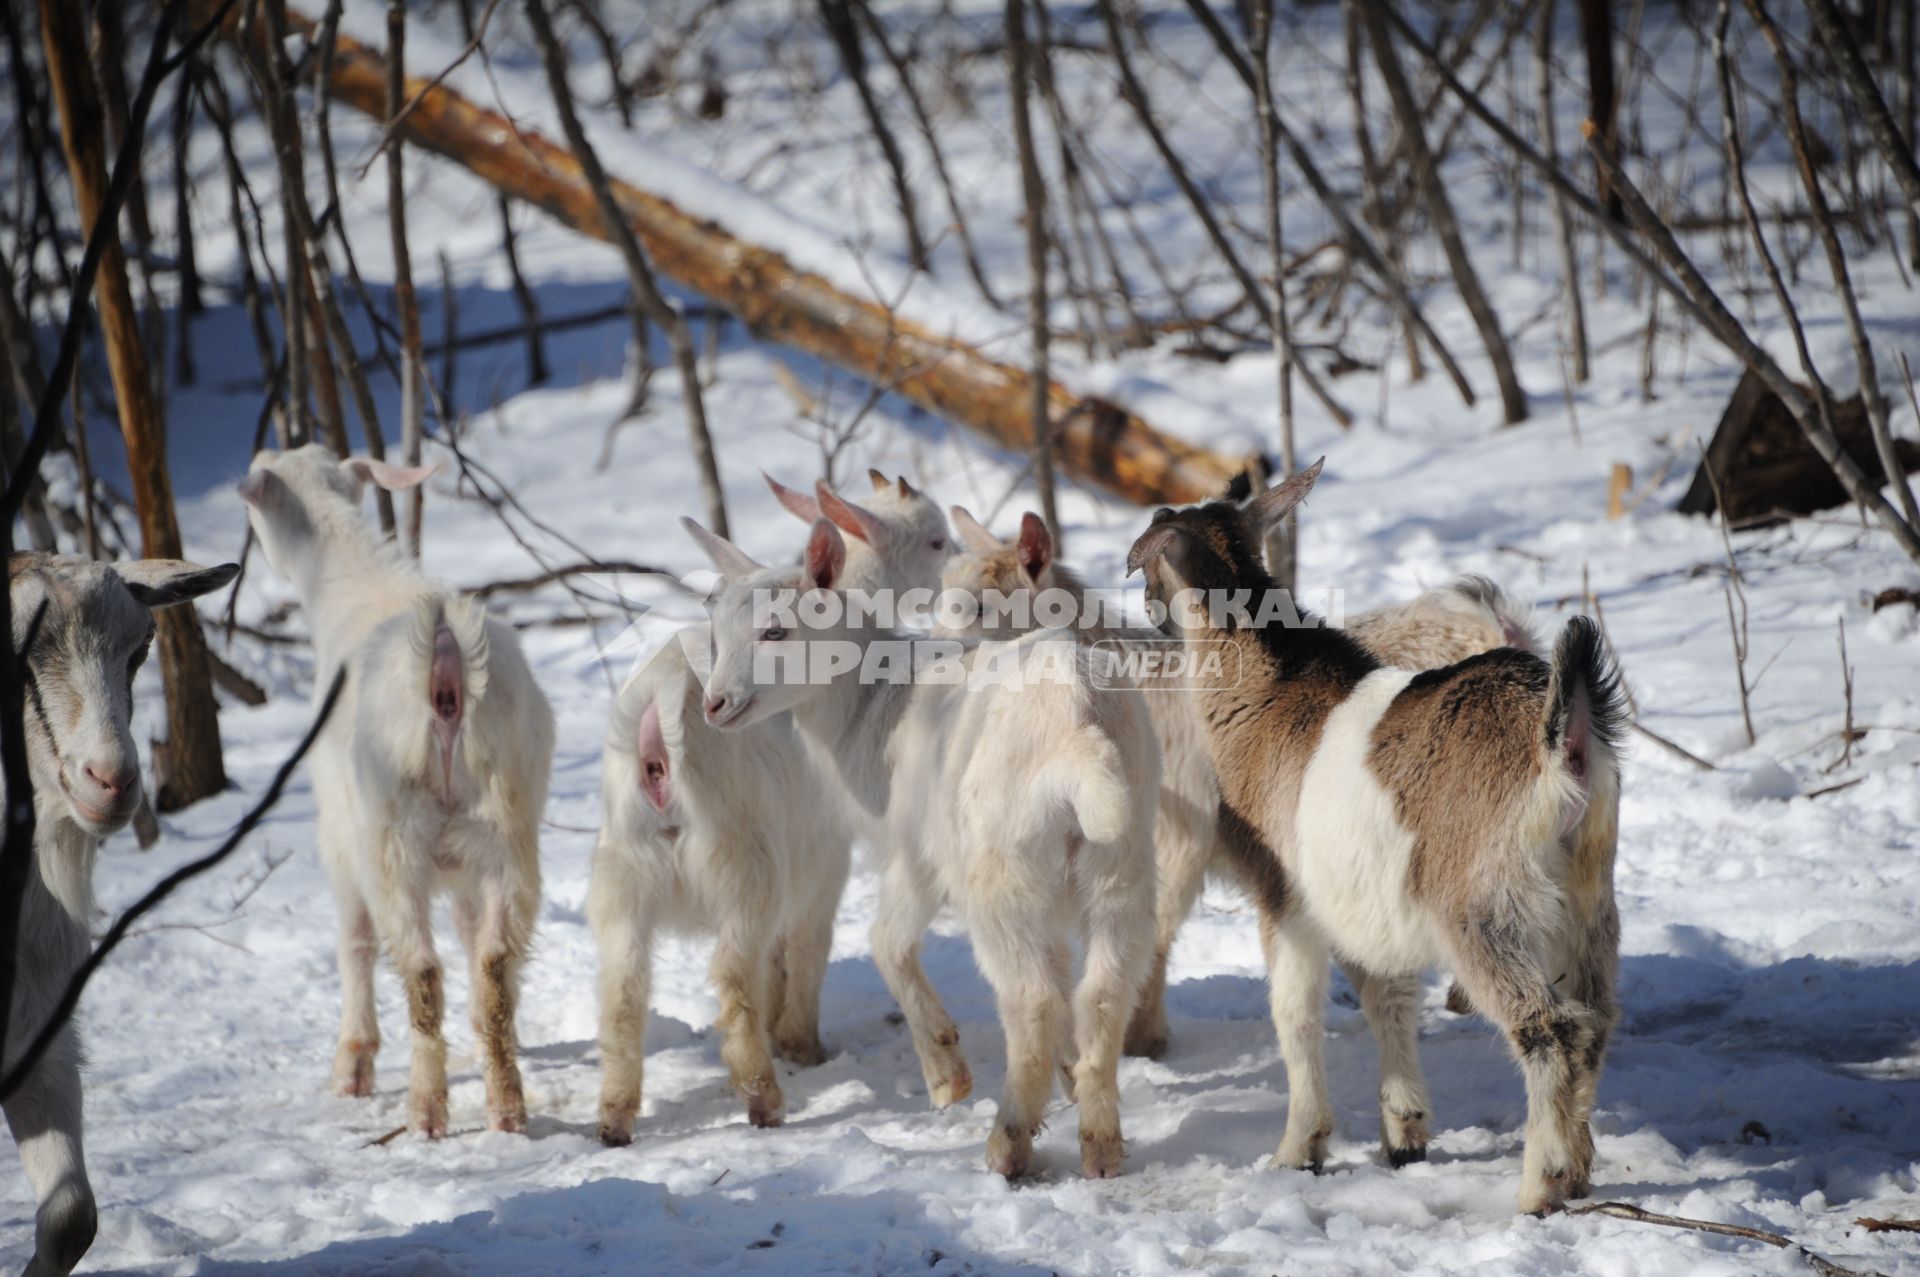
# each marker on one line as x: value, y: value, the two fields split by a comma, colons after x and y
x: 1014, y: 763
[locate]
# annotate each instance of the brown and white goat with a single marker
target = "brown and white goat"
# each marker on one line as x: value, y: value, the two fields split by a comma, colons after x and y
x: 430, y: 777
x: 1466, y: 815
x: 92, y: 636
x: 1007, y: 583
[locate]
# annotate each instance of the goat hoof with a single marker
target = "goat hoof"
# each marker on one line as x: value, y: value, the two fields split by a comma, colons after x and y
x: 353, y: 1069
x: 430, y: 1117
x: 1399, y: 1157
x: 1009, y: 1155
x: 1312, y: 1159
x: 615, y: 1134
x: 953, y: 1088
x: 767, y: 1108
x: 1547, y: 1197
x: 1145, y: 1044
x: 1102, y: 1156
x: 513, y: 1121
x: 1457, y: 1000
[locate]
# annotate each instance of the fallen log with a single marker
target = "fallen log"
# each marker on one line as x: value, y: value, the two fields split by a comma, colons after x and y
x: 1094, y: 439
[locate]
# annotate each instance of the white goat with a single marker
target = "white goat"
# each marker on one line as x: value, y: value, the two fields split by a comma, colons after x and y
x: 1008, y: 582
x: 94, y: 633
x: 1023, y: 795
x: 431, y: 776
x: 724, y: 834
x: 1465, y: 815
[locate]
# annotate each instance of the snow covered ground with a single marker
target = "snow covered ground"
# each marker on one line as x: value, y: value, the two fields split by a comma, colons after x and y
x: 1766, y: 1071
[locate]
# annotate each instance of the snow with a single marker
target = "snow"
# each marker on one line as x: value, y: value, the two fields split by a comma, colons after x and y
x: 1764, y: 1075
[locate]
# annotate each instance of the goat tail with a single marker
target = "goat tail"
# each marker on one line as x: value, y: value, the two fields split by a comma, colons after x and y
x: 1089, y: 776
x: 1513, y: 618
x: 1586, y: 711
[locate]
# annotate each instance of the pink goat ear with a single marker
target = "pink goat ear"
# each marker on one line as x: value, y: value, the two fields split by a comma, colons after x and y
x: 1036, y: 546
x: 728, y: 557
x: 392, y: 478
x: 798, y: 504
x: 850, y: 518
x: 972, y: 535
x: 826, y: 555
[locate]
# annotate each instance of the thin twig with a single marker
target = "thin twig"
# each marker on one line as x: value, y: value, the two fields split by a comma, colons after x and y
x: 393, y: 125
x: 1621, y: 1210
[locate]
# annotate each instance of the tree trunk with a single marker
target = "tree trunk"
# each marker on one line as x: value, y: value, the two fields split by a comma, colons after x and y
x: 1562, y: 215
x: 1094, y: 439
x: 1282, y: 542
x: 1034, y: 196
x: 837, y: 17
x: 1596, y: 31
x: 413, y: 369
x: 193, y: 730
x: 1440, y: 208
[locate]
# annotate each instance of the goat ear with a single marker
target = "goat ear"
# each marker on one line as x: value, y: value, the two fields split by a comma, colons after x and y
x: 1036, y: 546
x: 253, y: 489
x: 1240, y: 487
x: 826, y: 555
x: 158, y: 583
x: 1157, y: 540
x: 904, y: 489
x: 798, y: 504
x: 1277, y: 502
x: 728, y: 557
x: 849, y: 517
x: 878, y: 480
x: 392, y: 478
x: 971, y: 534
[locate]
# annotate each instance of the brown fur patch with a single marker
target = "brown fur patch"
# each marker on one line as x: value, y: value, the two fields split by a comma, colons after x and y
x: 496, y: 1007
x: 426, y: 1002
x: 1457, y: 748
x: 1263, y: 731
x: 1255, y: 864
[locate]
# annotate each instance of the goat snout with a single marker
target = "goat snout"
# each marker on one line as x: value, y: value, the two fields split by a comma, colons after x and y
x: 110, y: 779
x: 104, y: 789
x: 726, y: 711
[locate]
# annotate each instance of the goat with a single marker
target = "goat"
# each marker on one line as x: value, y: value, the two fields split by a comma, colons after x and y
x: 724, y: 834
x: 93, y: 635
x: 431, y: 775
x: 1022, y: 795
x: 994, y: 579
x: 1467, y: 814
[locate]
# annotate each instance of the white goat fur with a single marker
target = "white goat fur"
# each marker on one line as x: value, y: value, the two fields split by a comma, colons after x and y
x: 411, y: 803
x: 1026, y: 803
x: 92, y: 636
x: 743, y: 849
